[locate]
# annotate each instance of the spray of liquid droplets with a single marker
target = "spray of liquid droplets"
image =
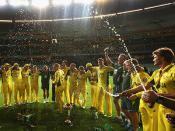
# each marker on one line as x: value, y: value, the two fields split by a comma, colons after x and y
x: 25, y: 39
x: 122, y: 42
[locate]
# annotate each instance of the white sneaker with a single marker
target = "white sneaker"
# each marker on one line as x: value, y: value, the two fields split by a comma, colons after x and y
x: 47, y: 100
x: 44, y: 101
x: 83, y: 107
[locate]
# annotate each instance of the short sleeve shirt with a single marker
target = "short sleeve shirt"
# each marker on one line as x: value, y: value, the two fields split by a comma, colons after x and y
x: 103, y: 75
x: 167, y: 81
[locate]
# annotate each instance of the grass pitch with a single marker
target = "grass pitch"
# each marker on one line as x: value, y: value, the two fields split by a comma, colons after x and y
x: 45, y: 118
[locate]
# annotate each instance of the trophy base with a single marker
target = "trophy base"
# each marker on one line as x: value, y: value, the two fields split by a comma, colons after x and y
x: 68, y: 123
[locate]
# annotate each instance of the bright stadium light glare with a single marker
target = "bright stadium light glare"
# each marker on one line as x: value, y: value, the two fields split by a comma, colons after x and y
x: 3, y: 2
x: 40, y: 3
x: 85, y: 2
x: 101, y: 1
x: 61, y: 2
x: 19, y: 2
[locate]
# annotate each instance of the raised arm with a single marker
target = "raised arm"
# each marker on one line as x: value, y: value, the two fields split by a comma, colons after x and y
x: 109, y: 61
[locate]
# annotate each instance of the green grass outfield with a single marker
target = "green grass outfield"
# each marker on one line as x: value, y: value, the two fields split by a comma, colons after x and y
x: 45, y: 118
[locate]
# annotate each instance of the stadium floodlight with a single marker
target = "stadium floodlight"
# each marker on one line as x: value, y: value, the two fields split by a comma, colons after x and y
x: 61, y: 2
x: 40, y: 3
x: 19, y: 2
x: 3, y: 2
x: 85, y: 2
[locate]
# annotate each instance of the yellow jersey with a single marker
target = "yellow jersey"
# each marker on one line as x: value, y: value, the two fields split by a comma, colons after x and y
x: 65, y: 70
x: 82, y: 79
x: 16, y: 74
x: 6, y: 75
x: 35, y: 76
x: 0, y: 74
x: 166, y: 83
x: 25, y: 74
x: 139, y: 78
x: 103, y: 75
x: 59, y: 77
x: 73, y: 77
x: 93, y: 78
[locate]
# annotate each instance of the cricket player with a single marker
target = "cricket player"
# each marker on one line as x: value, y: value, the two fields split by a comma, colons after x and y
x: 103, y: 81
x: 138, y: 78
x: 163, y: 79
x: 19, y: 92
x: 25, y: 76
x: 65, y: 69
x: 117, y: 79
x: 59, y: 78
x: 73, y: 73
x: 82, y: 86
x: 93, y: 79
x: 7, y: 84
x: 45, y: 79
x: 0, y: 79
x: 34, y: 83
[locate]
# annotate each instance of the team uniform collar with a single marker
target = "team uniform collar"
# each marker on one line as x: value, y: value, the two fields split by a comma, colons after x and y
x: 167, y: 67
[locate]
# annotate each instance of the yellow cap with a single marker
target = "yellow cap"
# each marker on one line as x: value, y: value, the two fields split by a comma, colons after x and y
x: 26, y: 65
x: 6, y: 64
x: 15, y: 64
x: 88, y: 65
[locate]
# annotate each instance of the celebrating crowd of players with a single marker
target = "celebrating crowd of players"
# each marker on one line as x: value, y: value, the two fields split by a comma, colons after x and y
x: 129, y: 80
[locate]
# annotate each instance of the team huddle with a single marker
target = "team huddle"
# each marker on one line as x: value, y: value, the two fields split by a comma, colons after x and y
x: 20, y: 83
x: 129, y: 80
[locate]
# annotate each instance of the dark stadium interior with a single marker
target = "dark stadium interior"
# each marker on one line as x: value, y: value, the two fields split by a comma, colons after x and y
x: 81, y: 41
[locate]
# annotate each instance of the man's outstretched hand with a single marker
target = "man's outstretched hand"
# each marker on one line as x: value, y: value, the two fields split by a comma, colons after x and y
x: 171, y: 118
x: 150, y: 96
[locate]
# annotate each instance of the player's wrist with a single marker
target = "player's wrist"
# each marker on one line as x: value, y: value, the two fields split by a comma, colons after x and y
x: 160, y: 99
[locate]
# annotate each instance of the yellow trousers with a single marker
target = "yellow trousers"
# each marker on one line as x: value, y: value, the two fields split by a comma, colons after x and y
x: 34, y: 87
x: 101, y: 96
x: 59, y: 98
x: 7, y: 92
x: 148, y: 116
x: 94, y: 95
x: 22, y: 95
x: 79, y: 91
x: 84, y: 93
x: 27, y: 88
x: 19, y: 91
x: 16, y: 92
x: 72, y: 90
x: 155, y: 118
x: 163, y: 124
x: 66, y: 91
x: 0, y: 85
